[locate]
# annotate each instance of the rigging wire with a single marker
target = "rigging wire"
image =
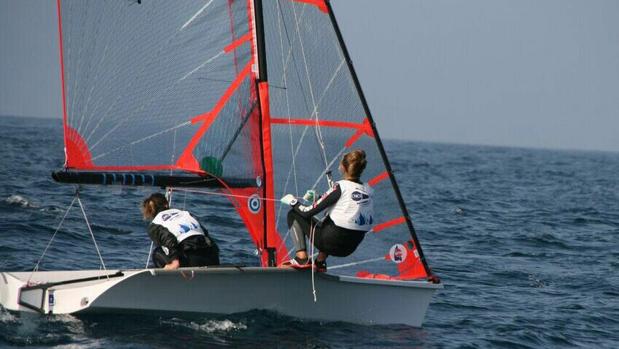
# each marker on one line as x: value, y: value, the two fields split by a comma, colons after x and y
x: 77, y: 196
x: 36, y: 267
x: 311, y: 90
x: 352, y: 264
x: 150, y: 250
x: 79, y: 201
x: 225, y: 194
x: 285, y: 83
x: 168, y: 195
x: 314, y: 112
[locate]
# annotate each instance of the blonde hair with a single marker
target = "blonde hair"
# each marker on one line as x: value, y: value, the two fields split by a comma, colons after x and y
x: 354, y: 163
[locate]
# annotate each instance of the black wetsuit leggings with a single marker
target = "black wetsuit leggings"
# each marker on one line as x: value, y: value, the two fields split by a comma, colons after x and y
x: 328, y: 237
x: 189, y: 257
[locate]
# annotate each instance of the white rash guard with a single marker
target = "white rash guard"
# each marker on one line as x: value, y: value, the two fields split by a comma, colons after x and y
x: 180, y: 223
x: 354, y: 210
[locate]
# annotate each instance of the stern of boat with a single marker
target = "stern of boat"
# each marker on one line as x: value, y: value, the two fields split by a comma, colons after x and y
x: 55, y: 292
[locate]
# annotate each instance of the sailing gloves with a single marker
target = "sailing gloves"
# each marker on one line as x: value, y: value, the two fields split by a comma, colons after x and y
x: 310, y: 196
x: 289, y: 199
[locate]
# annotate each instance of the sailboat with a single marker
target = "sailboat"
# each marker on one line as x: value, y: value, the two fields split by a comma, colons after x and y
x: 252, y: 99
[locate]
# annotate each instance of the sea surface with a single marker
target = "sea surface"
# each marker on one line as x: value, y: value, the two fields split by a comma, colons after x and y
x: 525, y: 241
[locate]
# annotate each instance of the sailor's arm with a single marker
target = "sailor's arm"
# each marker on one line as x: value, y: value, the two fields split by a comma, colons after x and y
x: 175, y: 264
x: 162, y: 237
x: 327, y: 200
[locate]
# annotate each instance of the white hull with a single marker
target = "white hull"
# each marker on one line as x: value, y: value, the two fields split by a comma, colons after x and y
x: 221, y: 290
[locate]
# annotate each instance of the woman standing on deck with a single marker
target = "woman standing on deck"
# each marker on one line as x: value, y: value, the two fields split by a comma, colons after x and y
x: 349, y: 209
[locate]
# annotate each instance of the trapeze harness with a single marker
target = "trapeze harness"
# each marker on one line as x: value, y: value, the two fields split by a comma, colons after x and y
x: 180, y: 236
x: 349, y: 215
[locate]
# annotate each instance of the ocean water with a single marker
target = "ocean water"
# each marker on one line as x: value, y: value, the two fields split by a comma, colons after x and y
x: 526, y: 243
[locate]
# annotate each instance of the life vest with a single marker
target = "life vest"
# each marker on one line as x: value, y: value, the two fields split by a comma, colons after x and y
x: 180, y: 223
x: 354, y: 210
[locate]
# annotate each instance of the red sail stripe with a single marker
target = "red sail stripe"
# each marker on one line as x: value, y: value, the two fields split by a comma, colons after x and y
x: 64, y: 97
x: 187, y: 160
x: 388, y: 224
x: 365, y: 129
x: 226, y: 96
x: 372, y: 182
x: 325, y: 123
x: 355, y: 137
x: 238, y: 42
x: 232, y: 32
x: 362, y: 128
x: 320, y: 4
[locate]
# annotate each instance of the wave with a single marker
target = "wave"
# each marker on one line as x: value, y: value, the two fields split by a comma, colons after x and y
x: 19, y: 200
x: 210, y: 326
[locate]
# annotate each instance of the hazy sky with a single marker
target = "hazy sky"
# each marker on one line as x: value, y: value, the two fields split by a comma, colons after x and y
x: 536, y: 73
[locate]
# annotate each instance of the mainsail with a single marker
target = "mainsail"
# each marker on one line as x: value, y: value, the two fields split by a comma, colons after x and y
x: 259, y: 96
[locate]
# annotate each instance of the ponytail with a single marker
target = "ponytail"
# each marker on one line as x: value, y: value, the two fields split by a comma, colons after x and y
x: 354, y: 163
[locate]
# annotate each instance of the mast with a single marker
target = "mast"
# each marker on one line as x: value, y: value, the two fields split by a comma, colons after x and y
x: 265, y: 135
x: 261, y: 52
x: 383, y: 154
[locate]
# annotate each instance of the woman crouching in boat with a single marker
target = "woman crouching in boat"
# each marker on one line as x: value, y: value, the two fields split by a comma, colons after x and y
x: 181, y: 240
x: 349, y: 209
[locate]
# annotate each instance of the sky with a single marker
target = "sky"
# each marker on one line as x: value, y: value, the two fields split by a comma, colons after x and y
x: 529, y: 73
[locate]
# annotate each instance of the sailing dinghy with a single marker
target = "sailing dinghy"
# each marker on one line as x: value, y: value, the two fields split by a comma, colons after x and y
x: 252, y: 99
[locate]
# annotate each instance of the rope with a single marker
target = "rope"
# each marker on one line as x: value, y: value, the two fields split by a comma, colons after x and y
x: 150, y: 250
x: 223, y: 194
x: 357, y: 263
x: 77, y: 196
x: 312, y: 233
x: 168, y: 196
x: 311, y: 90
x: 327, y: 171
x: 311, y: 254
x: 36, y: 267
x: 285, y: 83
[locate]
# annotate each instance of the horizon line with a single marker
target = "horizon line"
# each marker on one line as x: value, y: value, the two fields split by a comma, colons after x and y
x: 428, y: 141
